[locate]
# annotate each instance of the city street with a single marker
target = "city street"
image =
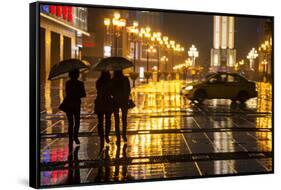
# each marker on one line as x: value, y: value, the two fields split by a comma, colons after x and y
x: 168, y: 137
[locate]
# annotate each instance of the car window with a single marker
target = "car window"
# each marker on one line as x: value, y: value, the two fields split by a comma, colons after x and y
x: 233, y: 78
x: 213, y: 80
x: 223, y: 77
x: 220, y: 78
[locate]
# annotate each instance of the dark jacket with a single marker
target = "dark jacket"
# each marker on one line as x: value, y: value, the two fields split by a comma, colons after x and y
x: 104, y: 101
x: 121, y: 90
x: 74, y: 90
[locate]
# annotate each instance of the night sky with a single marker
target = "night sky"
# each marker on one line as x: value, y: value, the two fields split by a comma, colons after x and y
x: 198, y: 30
x: 188, y: 29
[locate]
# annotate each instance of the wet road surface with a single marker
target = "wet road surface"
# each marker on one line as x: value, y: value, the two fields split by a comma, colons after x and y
x: 168, y: 137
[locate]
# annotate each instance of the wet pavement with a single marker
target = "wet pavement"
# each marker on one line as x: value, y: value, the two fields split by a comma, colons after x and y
x: 168, y: 137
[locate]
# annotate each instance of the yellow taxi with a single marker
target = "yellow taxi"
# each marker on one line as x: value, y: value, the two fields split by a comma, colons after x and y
x: 222, y: 85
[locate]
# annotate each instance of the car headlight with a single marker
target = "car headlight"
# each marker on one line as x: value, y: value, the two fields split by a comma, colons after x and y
x: 189, y: 88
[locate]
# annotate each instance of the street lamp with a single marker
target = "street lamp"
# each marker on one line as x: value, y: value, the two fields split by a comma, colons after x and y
x: 193, y: 53
x: 134, y: 34
x: 165, y: 59
x: 157, y: 42
x: 266, y: 50
x: 188, y: 63
x: 252, y: 56
x: 117, y: 24
x: 264, y: 63
x: 149, y: 50
x: 134, y: 31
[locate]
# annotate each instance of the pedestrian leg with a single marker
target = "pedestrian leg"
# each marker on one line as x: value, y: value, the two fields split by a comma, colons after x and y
x: 100, y: 130
x: 70, y: 129
x: 107, y: 126
x: 76, y: 126
x: 124, y: 123
x: 117, y: 124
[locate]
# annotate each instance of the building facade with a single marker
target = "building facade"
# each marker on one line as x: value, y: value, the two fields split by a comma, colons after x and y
x: 223, y: 53
x: 61, y: 32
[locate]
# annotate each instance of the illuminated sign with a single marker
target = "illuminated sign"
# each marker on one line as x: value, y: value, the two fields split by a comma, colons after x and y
x: 63, y: 12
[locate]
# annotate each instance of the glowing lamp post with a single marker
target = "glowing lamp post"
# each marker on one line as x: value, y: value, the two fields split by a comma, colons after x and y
x: 252, y: 56
x: 193, y: 53
x: 165, y: 59
x: 118, y: 24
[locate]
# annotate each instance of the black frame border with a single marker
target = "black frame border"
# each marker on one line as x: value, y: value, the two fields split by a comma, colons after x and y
x: 34, y: 91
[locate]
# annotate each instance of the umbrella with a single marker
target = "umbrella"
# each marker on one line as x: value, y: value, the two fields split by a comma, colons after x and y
x: 61, y: 69
x: 113, y: 63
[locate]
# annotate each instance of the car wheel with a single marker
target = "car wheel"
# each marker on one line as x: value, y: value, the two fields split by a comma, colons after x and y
x: 243, y: 96
x: 200, y: 96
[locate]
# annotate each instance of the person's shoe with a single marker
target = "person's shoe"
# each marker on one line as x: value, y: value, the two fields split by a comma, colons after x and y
x: 76, y: 140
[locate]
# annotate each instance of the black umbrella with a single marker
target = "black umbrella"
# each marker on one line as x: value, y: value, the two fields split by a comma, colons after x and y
x: 112, y: 63
x: 61, y: 69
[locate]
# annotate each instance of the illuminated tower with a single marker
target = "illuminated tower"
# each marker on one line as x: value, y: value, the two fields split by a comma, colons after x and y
x: 223, y: 53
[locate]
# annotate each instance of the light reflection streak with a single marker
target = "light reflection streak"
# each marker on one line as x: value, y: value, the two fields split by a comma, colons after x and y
x: 158, y: 97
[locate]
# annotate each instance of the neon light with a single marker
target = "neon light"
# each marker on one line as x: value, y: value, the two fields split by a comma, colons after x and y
x: 53, y: 9
x: 59, y: 10
x: 45, y: 8
x: 64, y: 12
x: 70, y: 17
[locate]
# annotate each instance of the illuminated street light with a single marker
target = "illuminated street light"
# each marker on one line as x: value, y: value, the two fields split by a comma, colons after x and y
x: 135, y: 24
x: 188, y: 62
x: 241, y: 62
x: 252, y: 56
x: 193, y: 53
x: 117, y: 25
x: 116, y: 15
x: 107, y: 21
x: 165, y: 59
x: 149, y: 50
x: 265, y: 52
x: 134, y: 34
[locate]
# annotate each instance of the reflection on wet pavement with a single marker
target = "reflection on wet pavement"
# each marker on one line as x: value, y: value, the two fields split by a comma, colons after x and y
x: 168, y: 137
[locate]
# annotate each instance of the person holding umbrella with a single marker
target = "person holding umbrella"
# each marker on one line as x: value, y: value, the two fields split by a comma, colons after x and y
x: 104, y: 106
x: 74, y: 90
x: 120, y: 89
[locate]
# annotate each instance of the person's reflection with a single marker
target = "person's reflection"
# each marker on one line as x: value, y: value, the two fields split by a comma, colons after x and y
x: 107, y: 164
x: 117, y: 162
x: 73, y: 168
x: 103, y: 173
x: 125, y: 162
x: 121, y: 162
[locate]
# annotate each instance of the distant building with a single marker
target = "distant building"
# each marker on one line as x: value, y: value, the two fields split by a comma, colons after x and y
x: 223, y: 53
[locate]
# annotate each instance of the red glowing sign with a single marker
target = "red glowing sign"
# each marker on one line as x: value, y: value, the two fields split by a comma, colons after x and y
x: 64, y: 12
x: 88, y: 44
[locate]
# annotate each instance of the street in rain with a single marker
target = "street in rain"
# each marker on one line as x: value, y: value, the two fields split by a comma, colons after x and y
x: 191, y: 117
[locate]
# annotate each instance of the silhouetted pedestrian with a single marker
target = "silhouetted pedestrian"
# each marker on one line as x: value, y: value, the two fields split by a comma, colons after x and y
x: 121, y: 91
x: 104, y: 106
x: 71, y: 104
